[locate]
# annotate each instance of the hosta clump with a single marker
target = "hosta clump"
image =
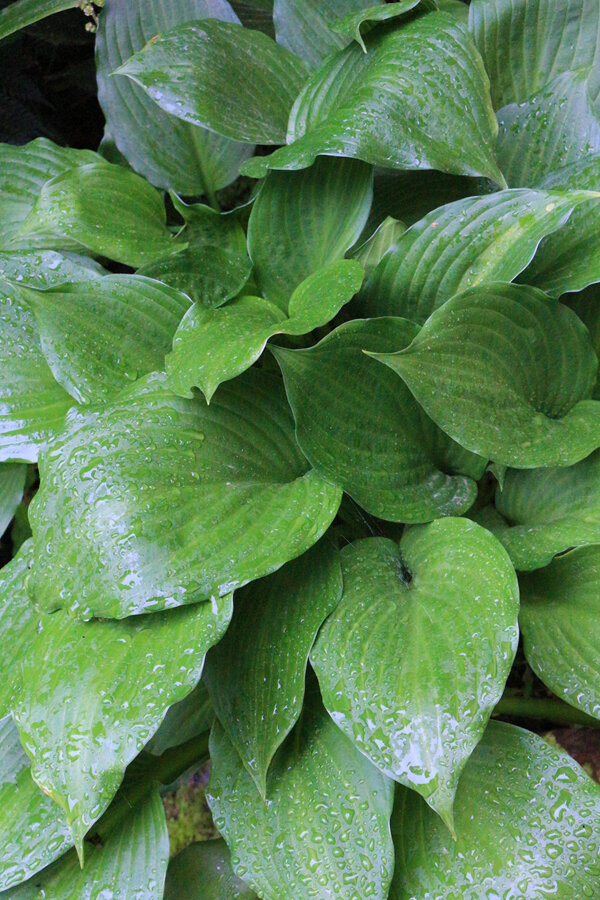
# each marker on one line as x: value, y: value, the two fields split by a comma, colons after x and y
x: 308, y: 458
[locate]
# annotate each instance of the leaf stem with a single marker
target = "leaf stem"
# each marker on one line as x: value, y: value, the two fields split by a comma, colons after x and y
x: 549, y: 708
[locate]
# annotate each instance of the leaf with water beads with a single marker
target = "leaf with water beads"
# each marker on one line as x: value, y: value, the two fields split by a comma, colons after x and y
x: 203, y: 872
x: 17, y: 624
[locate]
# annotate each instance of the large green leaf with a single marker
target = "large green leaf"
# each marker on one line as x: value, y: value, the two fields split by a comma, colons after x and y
x: 17, y: 623
x: 107, y: 209
x: 560, y: 623
x: 131, y: 863
x: 82, y: 724
x: 362, y: 429
x: 214, y: 345
x: 307, y: 27
x: 325, y: 825
x: 25, y: 12
x: 303, y: 221
x: 12, y: 482
x: 526, y: 821
x: 418, y: 99
x: 169, y: 152
x: 506, y: 371
x: 156, y: 501
x: 351, y: 24
x: 185, y: 720
x: 462, y: 244
x: 214, y: 266
x: 203, y: 872
x: 46, y: 268
x: 255, y: 675
x: 232, y: 80
x: 32, y: 404
x: 100, y: 336
x: 34, y: 829
x: 403, y: 671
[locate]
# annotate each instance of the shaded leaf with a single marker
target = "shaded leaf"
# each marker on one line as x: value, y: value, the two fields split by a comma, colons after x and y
x: 506, y: 372
x: 203, y: 872
x: 25, y: 12
x: 163, y: 501
x: 350, y: 25
x: 585, y: 304
x: 256, y: 674
x: 383, y: 239
x: 255, y: 14
x: 232, y: 80
x: 12, y: 483
x: 404, y: 671
x: 376, y: 443
x: 325, y: 825
x: 184, y: 720
x: 308, y: 27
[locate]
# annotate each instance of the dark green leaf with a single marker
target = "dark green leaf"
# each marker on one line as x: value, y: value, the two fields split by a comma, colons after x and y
x: 383, y: 239
x: 324, y: 829
x: 12, y: 482
x: 232, y: 80
x: 203, y: 872
x: 308, y: 27
x: 418, y: 99
x: 169, y: 152
x: 506, y: 372
x: 363, y: 430
x: 350, y: 25
x: 255, y: 14
x: 25, y: 12
x: 587, y: 306
x: 255, y: 675
x: 185, y: 720
x: 404, y: 670
x: 157, y: 501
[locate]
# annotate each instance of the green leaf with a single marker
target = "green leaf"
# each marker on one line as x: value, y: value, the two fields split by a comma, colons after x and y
x: 214, y: 345
x: 308, y: 27
x: 12, y: 483
x: 376, y: 443
x: 525, y: 44
x: 325, y: 825
x: 559, y: 619
x: 214, y: 266
x: 34, y: 830
x: 527, y: 824
x: 185, y: 720
x: 463, y: 244
x: 383, y: 239
x: 274, y: 626
x: 255, y: 14
x: 99, y: 336
x: 83, y: 724
x: 418, y: 99
x: 403, y: 671
x: 17, y: 621
x: 301, y: 222
x: 157, y: 501
x: 132, y: 862
x: 32, y: 404
x: 44, y: 269
x: 168, y: 152
x: 506, y: 371
x: 106, y: 209
x: 585, y: 304
x: 25, y: 12
x: 350, y: 25
x: 203, y: 872
x: 232, y: 80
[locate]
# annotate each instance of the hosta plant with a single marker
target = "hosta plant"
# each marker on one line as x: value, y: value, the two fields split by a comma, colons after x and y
x: 304, y: 356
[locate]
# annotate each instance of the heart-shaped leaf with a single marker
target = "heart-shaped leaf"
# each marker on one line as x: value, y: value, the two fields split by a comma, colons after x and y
x: 308, y: 27
x: 203, y: 872
x: 224, y: 77
x: 559, y: 618
x: 214, y: 345
x: 274, y: 626
x: 506, y: 372
x: 468, y: 242
x: 163, y: 501
x: 377, y: 444
x: 12, y: 482
x: 169, y: 152
x: 100, y: 336
x: 415, y: 656
x: 325, y: 825
x: 17, y: 622
x: 81, y: 724
x: 44, y: 269
x: 418, y: 99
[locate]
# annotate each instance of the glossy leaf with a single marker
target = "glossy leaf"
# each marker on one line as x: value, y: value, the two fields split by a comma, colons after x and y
x: 256, y: 674
x: 44, y: 269
x: 162, y: 501
x: 214, y: 345
x: 214, y: 266
x: 374, y: 442
x: 184, y: 720
x: 415, y: 657
x: 100, y: 336
x: 231, y: 80
x: 527, y: 824
x: 418, y: 99
x: 383, y: 239
x: 12, y: 482
x: 324, y: 828
x: 303, y: 221
x: 170, y: 153
x: 506, y: 372
x: 463, y: 244
x: 203, y: 872
x: 17, y: 622
x: 32, y: 404
x: 559, y: 618
x: 25, y: 12
x: 34, y: 829
x: 132, y: 863
x: 82, y: 724
x: 350, y: 25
